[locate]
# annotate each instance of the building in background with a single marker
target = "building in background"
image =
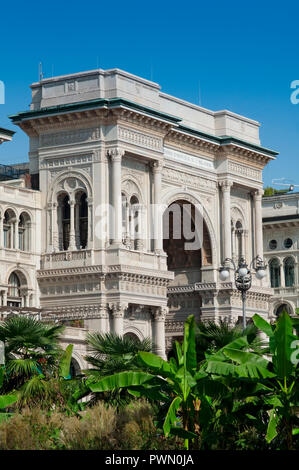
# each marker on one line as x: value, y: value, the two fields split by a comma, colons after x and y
x: 110, y: 146
x: 281, y: 250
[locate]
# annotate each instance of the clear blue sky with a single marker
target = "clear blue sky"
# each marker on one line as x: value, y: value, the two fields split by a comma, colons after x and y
x: 244, y: 55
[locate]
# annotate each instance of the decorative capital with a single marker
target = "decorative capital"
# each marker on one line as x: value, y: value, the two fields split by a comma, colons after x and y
x: 225, y: 185
x: 116, y: 154
x: 160, y: 313
x: 118, y: 309
x: 258, y: 193
x: 157, y: 166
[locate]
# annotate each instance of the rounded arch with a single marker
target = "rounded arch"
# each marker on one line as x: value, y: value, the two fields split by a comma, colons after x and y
x: 289, y: 271
x: 22, y: 274
x: 10, y: 227
x: 72, y: 177
x: 237, y: 214
x: 12, y: 211
x: 172, y: 196
x: 78, y: 361
x: 290, y: 256
x: 133, y: 330
x: 274, y: 270
x: 24, y: 231
x: 282, y: 304
x: 131, y: 187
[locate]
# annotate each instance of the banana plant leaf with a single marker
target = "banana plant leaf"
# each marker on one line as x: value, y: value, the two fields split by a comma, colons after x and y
x: 65, y: 362
x: 283, y: 339
x: 6, y: 400
x: 171, y: 415
x: 272, y: 426
x: 121, y: 380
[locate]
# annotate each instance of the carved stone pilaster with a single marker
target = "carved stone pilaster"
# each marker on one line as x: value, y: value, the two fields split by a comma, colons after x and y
x: 118, y: 313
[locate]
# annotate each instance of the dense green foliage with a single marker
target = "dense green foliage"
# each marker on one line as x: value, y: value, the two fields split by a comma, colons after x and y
x: 222, y: 388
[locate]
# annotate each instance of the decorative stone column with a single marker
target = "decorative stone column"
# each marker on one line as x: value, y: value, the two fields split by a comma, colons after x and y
x: 141, y: 228
x: 116, y: 157
x: 72, y: 245
x: 1, y: 232
x: 282, y: 276
x: 118, y: 313
x: 101, y: 322
x: 257, y: 199
x: 16, y: 233
x: 158, y: 221
x: 24, y: 297
x: 55, y: 240
x: 226, y: 218
x: 159, y: 331
x: 89, y: 202
x: 77, y: 224
x: 104, y: 319
x: 4, y: 298
x: 28, y: 236
x: 60, y: 227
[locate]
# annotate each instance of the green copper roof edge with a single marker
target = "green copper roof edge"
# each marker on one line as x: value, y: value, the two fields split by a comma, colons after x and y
x: 114, y: 102
x: 110, y: 103
x: 226, y: 140
x: 6, y: 131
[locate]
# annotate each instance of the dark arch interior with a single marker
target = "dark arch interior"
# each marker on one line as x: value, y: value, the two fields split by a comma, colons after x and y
x: 176, y: 236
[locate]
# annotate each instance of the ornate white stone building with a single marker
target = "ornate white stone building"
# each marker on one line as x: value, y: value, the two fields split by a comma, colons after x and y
x: 111, y: 157
x: 281, y: 249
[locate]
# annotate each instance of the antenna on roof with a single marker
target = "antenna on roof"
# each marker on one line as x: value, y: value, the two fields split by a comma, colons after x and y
x: 40, y: 71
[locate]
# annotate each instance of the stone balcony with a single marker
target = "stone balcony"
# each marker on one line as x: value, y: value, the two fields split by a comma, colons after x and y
x: 67, y: 259
x: 111, y: 256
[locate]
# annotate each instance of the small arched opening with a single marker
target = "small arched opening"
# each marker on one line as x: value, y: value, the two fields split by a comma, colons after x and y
x: 9, y: 227
x: 289, y: 272
x: 274, y: 268
x: 64, y: 215
x: 81, y: 220
x: 24, y: 232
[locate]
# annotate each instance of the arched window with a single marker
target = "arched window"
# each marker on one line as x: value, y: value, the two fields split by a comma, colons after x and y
x: 132, y: 336
x: 81, y: 220
x: 274, y: 267
x: 24, y: 232
x: 125, y: 220
x: 239, y: 240
x: 134, y: 222
x: 14, y: 293
x: 283, y: 307
x: 8, y: 229
x: 64, y: 215
x: 289, y: 272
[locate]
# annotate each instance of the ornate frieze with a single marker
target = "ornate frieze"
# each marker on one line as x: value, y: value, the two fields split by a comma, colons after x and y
x: 246, y: 171
x: 139, y: 138
x: 185, y: 179
x: 69, y: 137
x: 172, y: 326
x: 66, y: 161
x: 71, y: 312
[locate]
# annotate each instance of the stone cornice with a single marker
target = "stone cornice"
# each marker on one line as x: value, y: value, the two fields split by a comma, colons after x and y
x: 108, y: 111
x: 122, y: 272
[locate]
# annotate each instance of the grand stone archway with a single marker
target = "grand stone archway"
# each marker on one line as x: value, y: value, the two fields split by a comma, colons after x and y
x: 187, y: 244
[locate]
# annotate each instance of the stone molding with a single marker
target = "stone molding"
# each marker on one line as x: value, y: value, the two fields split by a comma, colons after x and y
x: 141, y: 139
x: 69, y: 137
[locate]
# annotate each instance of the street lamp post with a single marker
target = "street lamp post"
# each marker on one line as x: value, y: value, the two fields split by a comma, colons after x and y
x: 243, y: 276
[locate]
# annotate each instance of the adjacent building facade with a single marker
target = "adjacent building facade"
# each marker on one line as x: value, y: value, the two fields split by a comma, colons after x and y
x: 281, y: 250
x: 117, y: 168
